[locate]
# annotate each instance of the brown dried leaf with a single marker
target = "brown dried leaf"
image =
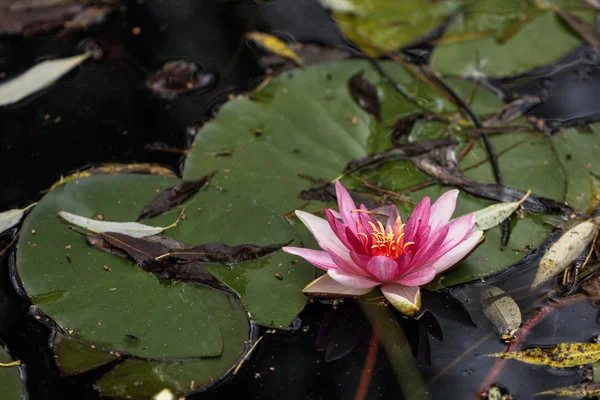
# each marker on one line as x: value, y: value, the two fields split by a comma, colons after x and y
x: 173, y: 196
x: 365, y: 94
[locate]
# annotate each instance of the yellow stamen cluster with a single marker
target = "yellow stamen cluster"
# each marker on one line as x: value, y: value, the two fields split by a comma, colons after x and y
x: 386, y: 243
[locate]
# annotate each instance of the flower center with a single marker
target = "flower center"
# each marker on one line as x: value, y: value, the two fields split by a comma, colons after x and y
x: 388, y: 243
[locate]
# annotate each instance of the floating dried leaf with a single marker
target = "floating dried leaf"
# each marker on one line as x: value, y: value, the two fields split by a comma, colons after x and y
x: 564, y: 355
x: 173, y: 196
x: 37, y: 78
x: 365, y: 94
x: 501, y: 309
x: 566, y: 249
x: 222, y: 253
x: 274, y: 45
x: 133, y: 229
x: 581, y: 390
x: 179, y: 77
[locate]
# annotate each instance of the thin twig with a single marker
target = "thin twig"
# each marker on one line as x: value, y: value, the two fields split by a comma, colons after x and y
x: 237, y: 368
x: 12, y: 241
x: 525, y: 330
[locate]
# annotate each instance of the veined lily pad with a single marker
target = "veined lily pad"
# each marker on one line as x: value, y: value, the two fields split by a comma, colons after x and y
x: 578, y: 153
x: 383, y: 25
x: 538, y: 38
x: 10, y: 379
x: 128, y: 311
x: 305, y: 123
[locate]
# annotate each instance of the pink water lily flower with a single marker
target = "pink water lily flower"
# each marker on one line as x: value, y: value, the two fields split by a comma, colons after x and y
x: 367, y: 248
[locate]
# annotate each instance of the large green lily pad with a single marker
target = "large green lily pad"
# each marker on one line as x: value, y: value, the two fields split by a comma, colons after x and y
x: 578, y: 153
x: 383, y: 25
x: 171, y: 320
x: 304, y: 126
x: 541, y: 40
x: 305, y: 123
x: 10, y: 379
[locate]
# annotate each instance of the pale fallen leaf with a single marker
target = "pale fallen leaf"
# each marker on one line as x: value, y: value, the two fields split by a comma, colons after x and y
x: 564, y: 355
x: 10, y: 218
x: 326, y: 287
x: 37, y: 78
x: 501, y: 309
x: 133, y: 229
x: 493, y: 215
x: 274, y: 45
x: 566, y: 249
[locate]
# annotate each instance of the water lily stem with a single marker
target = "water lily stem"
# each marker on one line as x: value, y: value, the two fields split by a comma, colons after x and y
x: 367, y: 372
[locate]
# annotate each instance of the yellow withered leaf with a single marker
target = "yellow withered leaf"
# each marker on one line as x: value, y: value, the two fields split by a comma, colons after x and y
x: 566, y: 249
x: 564, y: 355
x: 274, y: 45
x: 117, y: 169
x: 581, y: 390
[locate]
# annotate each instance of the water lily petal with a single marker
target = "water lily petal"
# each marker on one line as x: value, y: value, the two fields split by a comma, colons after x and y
x: 418, y: 218
x: 406, y: 299
x: 354, y: 243
x: 316, y: 257
x: 355, y: 282
x: 337, y: 227
x: 457, y: 253
x: 442, y: 209
x: 458, y: 230
x: 347, y: 265
x: 383, y: 268
x: 417, y: 278
x: 325, y: 286
x: 322, y: 232
x: 346, y: 206
x: 335, y: 213
x: 426, y: 252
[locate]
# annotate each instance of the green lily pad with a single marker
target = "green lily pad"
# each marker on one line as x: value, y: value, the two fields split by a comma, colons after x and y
x: 129, y: 312
x: 10, y: 379
x: 578, y: 153
x: 305, y: 123
x: 376, y: 25
x: 541, y: 39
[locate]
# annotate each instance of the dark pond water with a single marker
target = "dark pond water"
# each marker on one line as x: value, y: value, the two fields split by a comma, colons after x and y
x: 104, y: 113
